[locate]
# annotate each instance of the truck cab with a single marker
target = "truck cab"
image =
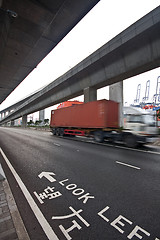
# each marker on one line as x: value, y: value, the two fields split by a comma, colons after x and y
x: 140, y: 125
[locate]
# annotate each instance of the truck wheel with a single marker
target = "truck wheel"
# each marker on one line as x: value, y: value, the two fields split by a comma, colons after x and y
x: 130, y: 141
x: 98, y: 136
x: 58, y: 132
x: 61, y: 132
x: 54, y: 131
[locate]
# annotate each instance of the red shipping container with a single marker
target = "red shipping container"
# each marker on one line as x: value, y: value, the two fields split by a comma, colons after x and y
x: 96, y: 114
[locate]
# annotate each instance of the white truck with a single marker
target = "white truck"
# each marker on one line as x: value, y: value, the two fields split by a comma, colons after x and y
x: 139, y: 127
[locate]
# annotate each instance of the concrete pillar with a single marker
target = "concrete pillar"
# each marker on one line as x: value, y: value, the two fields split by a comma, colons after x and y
x: 90, y: 94
x: 12, y: 123
x: 24, y: 121
x: 41, y: 115
x: 116, y: 94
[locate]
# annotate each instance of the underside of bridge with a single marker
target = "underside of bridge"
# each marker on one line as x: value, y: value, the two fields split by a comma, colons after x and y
x: 29, y: 30
x: 131, y: 52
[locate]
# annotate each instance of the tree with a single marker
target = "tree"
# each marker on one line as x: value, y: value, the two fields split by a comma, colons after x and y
x: 40, y: 121
x: 46, y: 121
x: 36, y: 122
x: 30, y: 122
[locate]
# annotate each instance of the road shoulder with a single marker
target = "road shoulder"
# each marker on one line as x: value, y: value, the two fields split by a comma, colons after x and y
x: 10, y: 217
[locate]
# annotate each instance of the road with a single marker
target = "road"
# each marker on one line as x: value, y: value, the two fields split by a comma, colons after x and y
x: 67, y: 189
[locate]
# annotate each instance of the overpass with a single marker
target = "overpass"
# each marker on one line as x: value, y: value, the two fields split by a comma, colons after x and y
x: 15, y: 105
x: 29, y: 30
x: 12, y: 108
x: 133, y: 51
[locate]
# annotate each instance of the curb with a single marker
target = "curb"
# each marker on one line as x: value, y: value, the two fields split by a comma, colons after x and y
x: 15, y: 215
x: 2, y: 175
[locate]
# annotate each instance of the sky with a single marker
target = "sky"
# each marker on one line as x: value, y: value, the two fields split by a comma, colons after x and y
x: 106, y: 20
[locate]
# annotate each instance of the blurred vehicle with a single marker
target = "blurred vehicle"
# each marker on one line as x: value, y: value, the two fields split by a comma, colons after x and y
x: 141, y: 124
x: 100, y: 120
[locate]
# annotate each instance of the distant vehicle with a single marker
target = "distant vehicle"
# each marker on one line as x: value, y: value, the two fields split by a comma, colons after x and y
x: 100, y: 120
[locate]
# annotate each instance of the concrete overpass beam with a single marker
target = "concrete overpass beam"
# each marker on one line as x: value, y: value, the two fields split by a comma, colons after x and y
x: 4, y: 29
x: 116, y: 94
x: 90, y: 94
x: 24, y: 121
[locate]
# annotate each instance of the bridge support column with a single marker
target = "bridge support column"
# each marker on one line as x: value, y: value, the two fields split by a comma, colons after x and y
x: 90, y: 94
x: 41, y: 115
x: 24, y: 121
x: 12, y: 123
x: 116, y: 94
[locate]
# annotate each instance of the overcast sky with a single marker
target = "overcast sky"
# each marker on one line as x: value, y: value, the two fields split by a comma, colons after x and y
x: 101, y: 24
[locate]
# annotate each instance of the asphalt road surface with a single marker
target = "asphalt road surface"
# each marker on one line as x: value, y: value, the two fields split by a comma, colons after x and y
x: 67, y: 189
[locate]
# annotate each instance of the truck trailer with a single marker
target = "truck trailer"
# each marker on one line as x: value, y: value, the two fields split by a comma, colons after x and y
x: 100, y: 120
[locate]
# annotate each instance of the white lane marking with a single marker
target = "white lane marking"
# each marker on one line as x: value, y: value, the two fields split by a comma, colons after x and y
x: 116, y: 146
x: 56, y: 144
x: 40, y: 217
x: 152, y: 152
x: 48, y: 175
x: 128, y: 165
x: 134, y: 149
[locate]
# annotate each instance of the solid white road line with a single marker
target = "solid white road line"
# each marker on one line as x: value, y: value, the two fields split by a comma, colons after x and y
x: 125, y: 164
x: 40, y: 217
x: 136, y: 150
x: 116, y: 146
x: 56, y: 144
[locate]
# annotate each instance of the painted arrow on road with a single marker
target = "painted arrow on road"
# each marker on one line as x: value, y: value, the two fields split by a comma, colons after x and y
x: 48, y: 175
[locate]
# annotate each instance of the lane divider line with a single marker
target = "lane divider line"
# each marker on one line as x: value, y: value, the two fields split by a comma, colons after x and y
x: 37, y: 212
x: 128, y: 165
x: 116, y: 146
x: 137, y: 150
x: 56, y: 144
